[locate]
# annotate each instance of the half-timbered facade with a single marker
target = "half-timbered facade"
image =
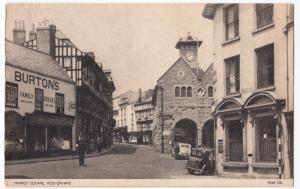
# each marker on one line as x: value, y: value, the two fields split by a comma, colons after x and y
x: 94, y: 84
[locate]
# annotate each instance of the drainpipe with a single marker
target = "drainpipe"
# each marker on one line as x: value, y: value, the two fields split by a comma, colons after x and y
x: 162, y: 118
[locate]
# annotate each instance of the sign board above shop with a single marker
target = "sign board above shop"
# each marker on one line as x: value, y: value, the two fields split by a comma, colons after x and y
x: 36, y: 80
x: 49, y: 119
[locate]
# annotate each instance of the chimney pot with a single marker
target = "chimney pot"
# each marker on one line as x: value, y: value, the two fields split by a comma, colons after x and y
x: 19, y: 33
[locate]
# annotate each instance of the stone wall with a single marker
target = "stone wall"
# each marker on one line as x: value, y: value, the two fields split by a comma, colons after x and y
x: 196, y: 108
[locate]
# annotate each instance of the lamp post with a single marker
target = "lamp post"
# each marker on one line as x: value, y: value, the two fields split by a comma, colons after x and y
x: 162, y: 116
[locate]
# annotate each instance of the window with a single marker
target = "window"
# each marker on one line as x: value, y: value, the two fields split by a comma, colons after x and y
x: 183, y: 91
x: 11, y: 94
x: 210, y: 91
x: 59, y: 103
x: 264, y: 15
x: 189, y: 91
x: 39, y: 96
x: 266, y: 150
x: 232, y: 75
x: 177, y: 92
x: 234, y: 144
x: 265, y: 66
x: 232, y: 22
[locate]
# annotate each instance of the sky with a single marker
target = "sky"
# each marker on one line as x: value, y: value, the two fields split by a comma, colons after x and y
x: 136, y: 41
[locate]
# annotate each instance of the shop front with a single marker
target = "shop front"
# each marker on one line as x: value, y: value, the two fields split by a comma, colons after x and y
x: 48, y: 132
x: 252, y: 138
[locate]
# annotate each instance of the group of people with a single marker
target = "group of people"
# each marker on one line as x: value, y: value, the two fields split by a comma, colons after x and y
x: 82, y: 148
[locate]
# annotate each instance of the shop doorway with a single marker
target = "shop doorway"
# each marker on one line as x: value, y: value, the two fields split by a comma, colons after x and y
x: 235, y: 140
x: 186, y: 132
x: 208, y: 134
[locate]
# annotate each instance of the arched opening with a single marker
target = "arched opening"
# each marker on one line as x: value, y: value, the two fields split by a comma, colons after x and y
x: 208, y: 134
x: 186, y: 132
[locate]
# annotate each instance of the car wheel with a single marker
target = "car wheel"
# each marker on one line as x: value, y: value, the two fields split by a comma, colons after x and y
x: 191, y: 171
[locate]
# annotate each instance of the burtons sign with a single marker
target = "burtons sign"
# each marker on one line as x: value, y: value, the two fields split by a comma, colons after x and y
x: 36, y: 81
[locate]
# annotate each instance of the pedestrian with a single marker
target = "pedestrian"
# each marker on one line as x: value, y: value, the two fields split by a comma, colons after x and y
x: 81, y: 150
x: 176, y: 150
x: 99, y: 145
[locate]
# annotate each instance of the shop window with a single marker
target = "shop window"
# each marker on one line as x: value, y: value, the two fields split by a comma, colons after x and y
x: 232, y: 75
x: 177, y: 92
x: 210, y: 91
x: 234, y: 141
x: 264, y: 15
x: 39, y: 96
x: 231, y: 22
x: 59, y: 103
x: 266, y: 150
x: 183, y: 91
x: 11, y: 94
x: 189, y: 92
x: 265, y: 66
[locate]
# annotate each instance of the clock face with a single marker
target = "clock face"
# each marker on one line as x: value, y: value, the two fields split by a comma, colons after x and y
x: 180, y: 73
x: 190, y: 56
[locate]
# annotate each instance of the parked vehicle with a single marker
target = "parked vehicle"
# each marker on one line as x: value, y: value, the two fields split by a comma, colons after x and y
x: 181, y: 150
x: 201, y: 161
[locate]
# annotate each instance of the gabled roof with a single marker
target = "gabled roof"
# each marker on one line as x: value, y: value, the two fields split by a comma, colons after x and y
x: 179, y: 59
x: 33, y: 60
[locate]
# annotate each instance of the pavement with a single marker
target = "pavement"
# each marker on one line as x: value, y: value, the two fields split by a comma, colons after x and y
x: 123, y: 161
x: 54, y: 158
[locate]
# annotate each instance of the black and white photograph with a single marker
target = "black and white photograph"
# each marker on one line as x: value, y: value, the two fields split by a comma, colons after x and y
x: 149, y: 94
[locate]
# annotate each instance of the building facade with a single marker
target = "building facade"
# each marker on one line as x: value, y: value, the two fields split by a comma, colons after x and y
x: 94, y: 85
x: 40, y: 103
x: 144, y: 117
x: 126, y: 119
x: 182, y: 101
x: 253, y: 58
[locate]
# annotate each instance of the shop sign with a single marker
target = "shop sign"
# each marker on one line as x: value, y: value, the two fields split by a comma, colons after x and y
x: 72, y: 105
x: 220, y: 146
x: 28, y: 98
x: 36, y: 81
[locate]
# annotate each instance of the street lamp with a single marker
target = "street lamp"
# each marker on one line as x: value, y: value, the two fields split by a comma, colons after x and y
x: 162, y: 116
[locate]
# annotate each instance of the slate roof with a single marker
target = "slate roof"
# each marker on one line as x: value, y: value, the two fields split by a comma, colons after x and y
x: 33, y: 60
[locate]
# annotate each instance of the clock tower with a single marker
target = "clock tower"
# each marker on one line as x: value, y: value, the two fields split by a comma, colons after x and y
x: 188, y: 48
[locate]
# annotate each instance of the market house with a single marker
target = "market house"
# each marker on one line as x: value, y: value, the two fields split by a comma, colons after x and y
x: 40, y: 98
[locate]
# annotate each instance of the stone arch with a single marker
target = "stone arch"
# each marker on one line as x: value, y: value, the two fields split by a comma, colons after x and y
x: 208, y: 133
x: 258, y: 99
x: 228, y: 105
x: 186, y: 131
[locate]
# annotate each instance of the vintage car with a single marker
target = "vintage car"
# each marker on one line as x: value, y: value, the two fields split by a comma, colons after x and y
x: 181, y: 150
x: 201, y: 161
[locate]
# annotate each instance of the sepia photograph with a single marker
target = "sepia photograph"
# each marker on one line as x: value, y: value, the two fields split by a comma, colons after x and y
x: 149, y: 94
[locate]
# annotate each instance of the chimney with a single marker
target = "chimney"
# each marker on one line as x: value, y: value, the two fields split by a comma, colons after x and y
x: 45, y: 38
x: 32, y: 33
x: 91, y: 54
x: 140, y: 95
x: 19, y: 32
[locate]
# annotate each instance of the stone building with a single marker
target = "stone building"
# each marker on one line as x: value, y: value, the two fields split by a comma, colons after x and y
x: 253, y: 58
x: 94, y: 84
x: 182, y: 100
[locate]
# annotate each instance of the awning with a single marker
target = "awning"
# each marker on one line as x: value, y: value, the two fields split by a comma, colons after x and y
x: 49, y: 119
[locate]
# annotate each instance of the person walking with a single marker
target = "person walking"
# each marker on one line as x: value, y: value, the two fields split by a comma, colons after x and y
x: 81, y: 150
x: 99, y: 145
